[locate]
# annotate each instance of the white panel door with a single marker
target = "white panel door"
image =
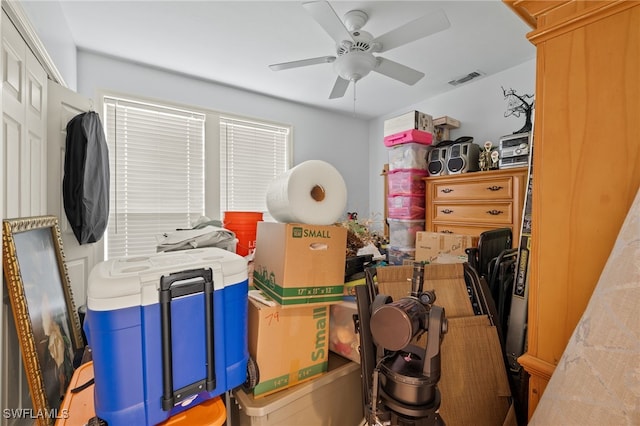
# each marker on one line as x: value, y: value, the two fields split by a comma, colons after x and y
x: 36, y: 133
x: 24, y: 102
x: 23, y: 162
x: 13, y: 70
x: 65, y: 104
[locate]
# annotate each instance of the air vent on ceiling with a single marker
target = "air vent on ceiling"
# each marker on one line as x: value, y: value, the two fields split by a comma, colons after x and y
x: 466, y: 78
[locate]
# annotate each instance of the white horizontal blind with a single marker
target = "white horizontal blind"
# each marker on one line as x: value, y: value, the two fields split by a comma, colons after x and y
x: 156, y: 156
x: 252, y: 154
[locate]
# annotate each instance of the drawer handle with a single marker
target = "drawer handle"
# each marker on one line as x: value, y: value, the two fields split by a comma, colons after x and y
x: 446, y: 231
x: 446, y: 190
x: 447, y: 211
x: 494, y: 188
x: 495, y: 212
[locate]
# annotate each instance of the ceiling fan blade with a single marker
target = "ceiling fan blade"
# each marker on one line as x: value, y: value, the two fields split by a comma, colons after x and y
x: 324, y: 14
x: 302, y: 63
x: 398, y: 71
x: 414, y: 30
x: 339, y: 88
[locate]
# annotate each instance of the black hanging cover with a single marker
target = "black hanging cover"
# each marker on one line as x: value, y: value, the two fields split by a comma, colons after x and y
x: 85, y: 186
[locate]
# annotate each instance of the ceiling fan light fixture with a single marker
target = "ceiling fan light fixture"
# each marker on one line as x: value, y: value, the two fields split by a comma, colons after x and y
x: 354, y: 65
x: 354, y: 58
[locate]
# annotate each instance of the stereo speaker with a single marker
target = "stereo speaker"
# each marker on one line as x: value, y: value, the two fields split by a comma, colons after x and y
x: 463, y: 157
x: 437, y: 161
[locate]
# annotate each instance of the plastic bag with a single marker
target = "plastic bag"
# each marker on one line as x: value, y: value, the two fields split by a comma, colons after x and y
x: 208, y: 236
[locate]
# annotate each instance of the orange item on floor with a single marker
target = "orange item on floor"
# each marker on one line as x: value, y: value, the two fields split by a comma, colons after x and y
x: 209, y: 413
x: 77, y: 408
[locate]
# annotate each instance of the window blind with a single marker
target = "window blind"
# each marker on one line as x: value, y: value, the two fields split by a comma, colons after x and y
x: 252, y: 154
x: 156, y: 157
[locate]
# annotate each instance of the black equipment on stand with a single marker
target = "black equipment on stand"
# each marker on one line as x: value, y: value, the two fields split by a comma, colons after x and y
x: 399, y: 377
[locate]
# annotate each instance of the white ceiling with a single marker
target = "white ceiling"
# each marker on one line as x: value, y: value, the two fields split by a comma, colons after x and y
x: 233, y: 42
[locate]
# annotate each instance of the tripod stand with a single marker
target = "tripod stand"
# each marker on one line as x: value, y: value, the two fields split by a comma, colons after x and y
x: 400, y: 378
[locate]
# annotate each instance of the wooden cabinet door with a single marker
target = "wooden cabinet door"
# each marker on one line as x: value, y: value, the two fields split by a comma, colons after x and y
x: 586, y: 162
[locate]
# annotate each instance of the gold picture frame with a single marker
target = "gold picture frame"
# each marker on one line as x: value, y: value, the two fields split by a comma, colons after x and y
x: 46, y: 319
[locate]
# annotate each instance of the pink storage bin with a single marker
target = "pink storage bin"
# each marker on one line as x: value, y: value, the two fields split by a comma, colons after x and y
x: 406, y: 206
x: 412, y: 135
x: 406, y: 181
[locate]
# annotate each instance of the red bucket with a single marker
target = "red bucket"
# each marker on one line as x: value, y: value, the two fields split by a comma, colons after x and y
x: 244, y: 225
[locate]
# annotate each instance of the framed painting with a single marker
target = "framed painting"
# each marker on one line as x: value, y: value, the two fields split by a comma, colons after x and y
x: 46, y: 320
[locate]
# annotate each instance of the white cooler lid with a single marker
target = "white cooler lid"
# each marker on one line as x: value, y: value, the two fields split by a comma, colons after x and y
x: 134, y: 281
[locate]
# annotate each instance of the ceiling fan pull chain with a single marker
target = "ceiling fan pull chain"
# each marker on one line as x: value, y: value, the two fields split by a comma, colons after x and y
x: 354, y: 96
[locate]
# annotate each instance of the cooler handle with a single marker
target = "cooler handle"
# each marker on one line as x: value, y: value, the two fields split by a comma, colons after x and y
x: 192, y: 281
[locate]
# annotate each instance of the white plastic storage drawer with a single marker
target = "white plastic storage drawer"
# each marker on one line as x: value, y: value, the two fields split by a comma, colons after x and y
x: 402, y: 233
x: 408, y: 156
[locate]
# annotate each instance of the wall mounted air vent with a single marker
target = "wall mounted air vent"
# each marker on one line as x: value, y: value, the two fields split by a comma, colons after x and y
x: 466, y: 78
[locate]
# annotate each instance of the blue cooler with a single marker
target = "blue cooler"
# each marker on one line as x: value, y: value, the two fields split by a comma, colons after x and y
x: 167, y: 332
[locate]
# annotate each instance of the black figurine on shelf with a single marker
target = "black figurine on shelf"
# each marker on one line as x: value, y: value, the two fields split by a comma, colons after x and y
x: 517, y: 104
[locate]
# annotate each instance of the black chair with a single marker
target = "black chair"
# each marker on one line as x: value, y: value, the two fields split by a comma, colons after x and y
x: 500, y: 282
x: 496, y: 264
x: 490, y: 244
x: 488, y: 259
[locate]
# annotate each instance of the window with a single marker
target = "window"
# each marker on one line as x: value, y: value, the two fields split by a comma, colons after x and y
x: 170, y: 166
x: 156, y: 157
x: 252, y: 154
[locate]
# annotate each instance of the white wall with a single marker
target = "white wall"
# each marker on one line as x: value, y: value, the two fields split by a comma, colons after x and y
x: 480, y: 107
x: 50, y: 24
x: 317, y: 134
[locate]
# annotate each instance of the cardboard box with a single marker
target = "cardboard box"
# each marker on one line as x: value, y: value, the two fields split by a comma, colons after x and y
x: 298, y: 264
x: 290, y: 345
x: 441, y: 134
x: 431, y: 245
x: 343, y: 339
x: 474, y: 385
x: 441, y: 126
x: 447, y: 122
x: 410, y: 120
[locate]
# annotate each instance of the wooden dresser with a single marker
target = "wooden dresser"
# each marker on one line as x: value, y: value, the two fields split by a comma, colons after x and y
x: 586, y: 169
x: 471, y: 203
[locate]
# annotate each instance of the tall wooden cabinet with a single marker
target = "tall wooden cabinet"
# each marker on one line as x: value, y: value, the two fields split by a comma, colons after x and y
x: 586, y: 161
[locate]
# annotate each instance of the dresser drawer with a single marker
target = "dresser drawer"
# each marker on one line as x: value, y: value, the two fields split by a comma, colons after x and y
x: 471, y: 203
x: 493, y: 212
x: 500, y: 188
x: 463, y: 229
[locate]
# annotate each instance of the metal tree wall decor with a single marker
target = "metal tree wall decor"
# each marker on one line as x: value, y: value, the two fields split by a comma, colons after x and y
x: 517, y: 104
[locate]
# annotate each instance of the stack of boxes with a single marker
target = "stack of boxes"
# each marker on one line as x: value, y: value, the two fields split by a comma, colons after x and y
x: 408, y: 138
x: 300, y: 268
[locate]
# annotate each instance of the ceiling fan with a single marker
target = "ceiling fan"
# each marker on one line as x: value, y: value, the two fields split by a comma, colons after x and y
x: 354, y: 57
